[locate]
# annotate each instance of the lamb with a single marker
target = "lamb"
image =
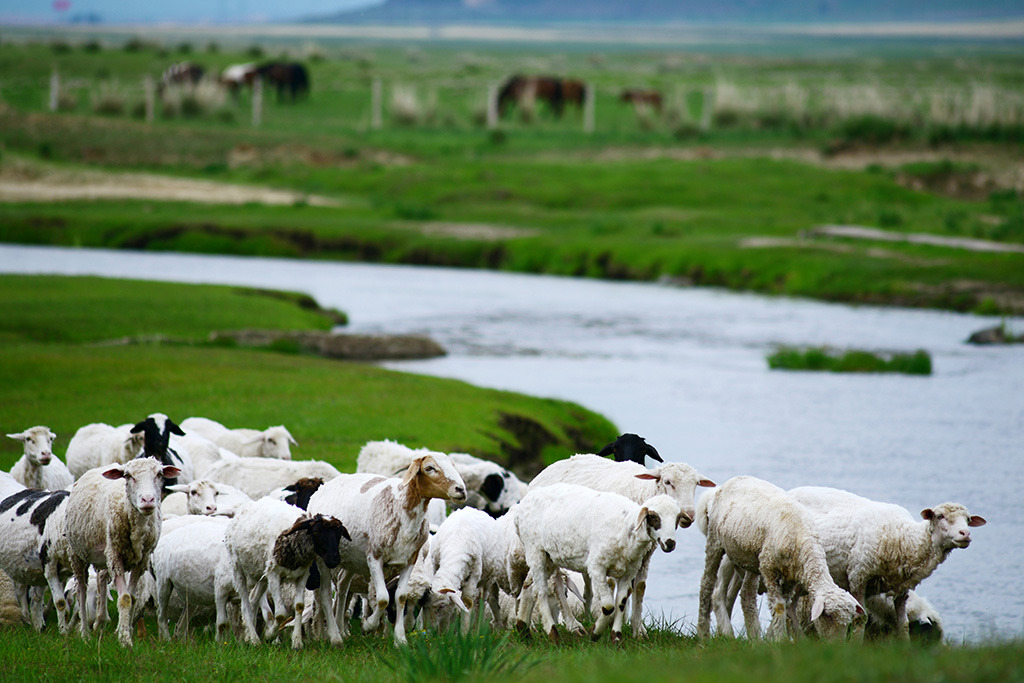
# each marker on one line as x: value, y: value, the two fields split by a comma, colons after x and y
x: 489, y: 486
x: 202, y: 497
x: 272, y: 442
x: 765, y: 532
x: 39, y: 468
x: 271, y: 546
x: 630, y: 447
x: 925, y: 624
x: 603, y: 535
x: 466, y: 560
x: 388, y: 523
x: 875, y: 547
x: 257, y: 477
x: 23, y: 518
x: 113, y: 523
x: 98, y: 444
x: 184, y: 560
x: 634, y: 481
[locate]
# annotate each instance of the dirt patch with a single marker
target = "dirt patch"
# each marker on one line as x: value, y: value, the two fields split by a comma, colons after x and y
x: 802, y: 243
x: 362, y: 347
x: 22, y: 183
x: 294, y: 154
x: 858, y: 232
x: 474, y: 231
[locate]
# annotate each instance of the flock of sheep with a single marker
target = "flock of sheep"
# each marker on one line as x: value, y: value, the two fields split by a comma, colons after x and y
x: 206, y: 522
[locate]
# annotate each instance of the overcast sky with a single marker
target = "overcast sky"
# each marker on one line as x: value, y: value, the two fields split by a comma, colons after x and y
x: 189, y: 11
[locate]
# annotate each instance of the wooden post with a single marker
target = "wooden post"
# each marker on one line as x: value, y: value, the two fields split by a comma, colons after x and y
x: 492, y: 106
x: 150, y: 94
x: 257, y: 102
x: 588, y: 108
x: 376, y: 104
x: 54, y: 89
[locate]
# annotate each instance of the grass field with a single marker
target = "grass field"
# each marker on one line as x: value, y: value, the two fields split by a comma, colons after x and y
x: 724, y: 188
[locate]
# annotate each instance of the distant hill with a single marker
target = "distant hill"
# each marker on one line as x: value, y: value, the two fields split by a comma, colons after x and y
x: 697, y: 11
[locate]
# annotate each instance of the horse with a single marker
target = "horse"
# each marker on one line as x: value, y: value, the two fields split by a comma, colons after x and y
x: 182, y: 73
x: 639, y: 98
x: 553, y: 90
x: 286, y: 76
x: 238, y: 75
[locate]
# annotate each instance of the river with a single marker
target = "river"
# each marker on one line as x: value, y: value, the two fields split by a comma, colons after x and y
x: 686, y: 369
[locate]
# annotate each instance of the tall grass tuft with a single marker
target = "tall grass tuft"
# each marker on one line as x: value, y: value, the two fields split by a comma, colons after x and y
x: 823, y: 359
x: 450, y: 655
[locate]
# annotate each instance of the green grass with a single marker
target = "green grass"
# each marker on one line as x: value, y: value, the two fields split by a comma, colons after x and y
x: 824, y: 359
x: 52, y: 372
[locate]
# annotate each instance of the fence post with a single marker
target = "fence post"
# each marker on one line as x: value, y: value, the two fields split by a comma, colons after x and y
x: 492, y: 106
x: 376, y: 104
x: 257, y: 102
x: 589, y: 107
x: 54, y: 89
x: 147, y: 86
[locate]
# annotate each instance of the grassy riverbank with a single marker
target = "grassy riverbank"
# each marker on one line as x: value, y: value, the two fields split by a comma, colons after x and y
x: 725, y: 187
x: 60, y: 369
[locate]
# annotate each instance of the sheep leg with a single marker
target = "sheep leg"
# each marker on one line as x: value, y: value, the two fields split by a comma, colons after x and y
x: 727, y: 575
x: 81, y: 570
x: 379, y: 594
x: 99, y: 614
x: 902, y: 624
x: 636, y: 620
x: 777, y: 605
x: 401, y: 598
x: 274, y: 589
x: 748, y: 604
x: 713, y: 555
x: 57, y: 593
x: 471, y: 599
x: 341, y: 603
x: 524, y: 610
x: 324, y: 604
x: 163, y: 598
x: 299, y: 606
x: 124, y: 599
x: 571, y: 623
x: 623, y: 591
x: 604, y: 588
x: 243, y: 588
x: 491, y: 593
x: 221, y: 594
x: 541, y: 568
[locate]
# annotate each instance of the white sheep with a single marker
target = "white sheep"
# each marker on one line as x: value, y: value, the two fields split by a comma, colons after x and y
x: 39, y: 468
x: 23, y: 518
x: 272, y: 442
x: 202, y: 497
x: 601, y: 534
x: 113, y: 522
x: 9, y: 485
x: 271, y: 547
x: 388, y: 522
x: 766, y: 533
x: 875, y: 547
x: 677, y: 480
x: 923, y: 619
x: 203, y: 452
x: 185, y: 560
x: 489, y: 486
x: 256, y: 477
x: 100, y: 444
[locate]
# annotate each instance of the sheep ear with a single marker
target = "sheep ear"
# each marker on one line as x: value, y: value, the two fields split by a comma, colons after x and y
x: 641, y: 521
x: 927, y: 513
x: 113, y: 473
x: 178, y: 488
x: 412, y: 471
x: 139, y: 427
x: 607, y: 450
x: 976, y: 520
x: 652, y: 452
x: 647, y: 475
x: 683, y: 520
x: 174, y: 429
x: 170, y: 472
x: 19, y: 437
x: 860, y: 610
x: 707, y: 483
x: 253, y: 440
x: 819, y: 608
x: 291, y: 438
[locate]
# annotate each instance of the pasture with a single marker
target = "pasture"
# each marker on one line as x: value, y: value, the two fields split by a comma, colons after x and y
x: 728, y: 185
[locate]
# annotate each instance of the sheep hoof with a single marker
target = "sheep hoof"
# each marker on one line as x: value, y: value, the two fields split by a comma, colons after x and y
x: 595, y: 636
x: 616, y: 636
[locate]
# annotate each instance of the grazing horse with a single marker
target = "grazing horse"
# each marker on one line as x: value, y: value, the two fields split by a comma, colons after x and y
x: 555, y: 91
x: 238, y: 75
x: 286, y: 76
x: 182, y: 73
x: 639, y: 98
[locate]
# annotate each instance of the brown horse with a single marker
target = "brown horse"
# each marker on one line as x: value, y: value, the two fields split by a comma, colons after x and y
x: 551, y: 89
x: 290, y: 77
x: 639, y: 98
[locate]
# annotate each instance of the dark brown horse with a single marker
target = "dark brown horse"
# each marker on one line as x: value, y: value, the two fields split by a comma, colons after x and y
x: 557, y: 92
x: 182, y: 73
x: 290, y: 77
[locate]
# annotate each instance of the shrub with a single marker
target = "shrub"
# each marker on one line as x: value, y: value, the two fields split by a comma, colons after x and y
x: 823, y: 359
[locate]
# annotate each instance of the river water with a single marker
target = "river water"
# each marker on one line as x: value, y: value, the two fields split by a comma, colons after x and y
x: 686, y: 369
